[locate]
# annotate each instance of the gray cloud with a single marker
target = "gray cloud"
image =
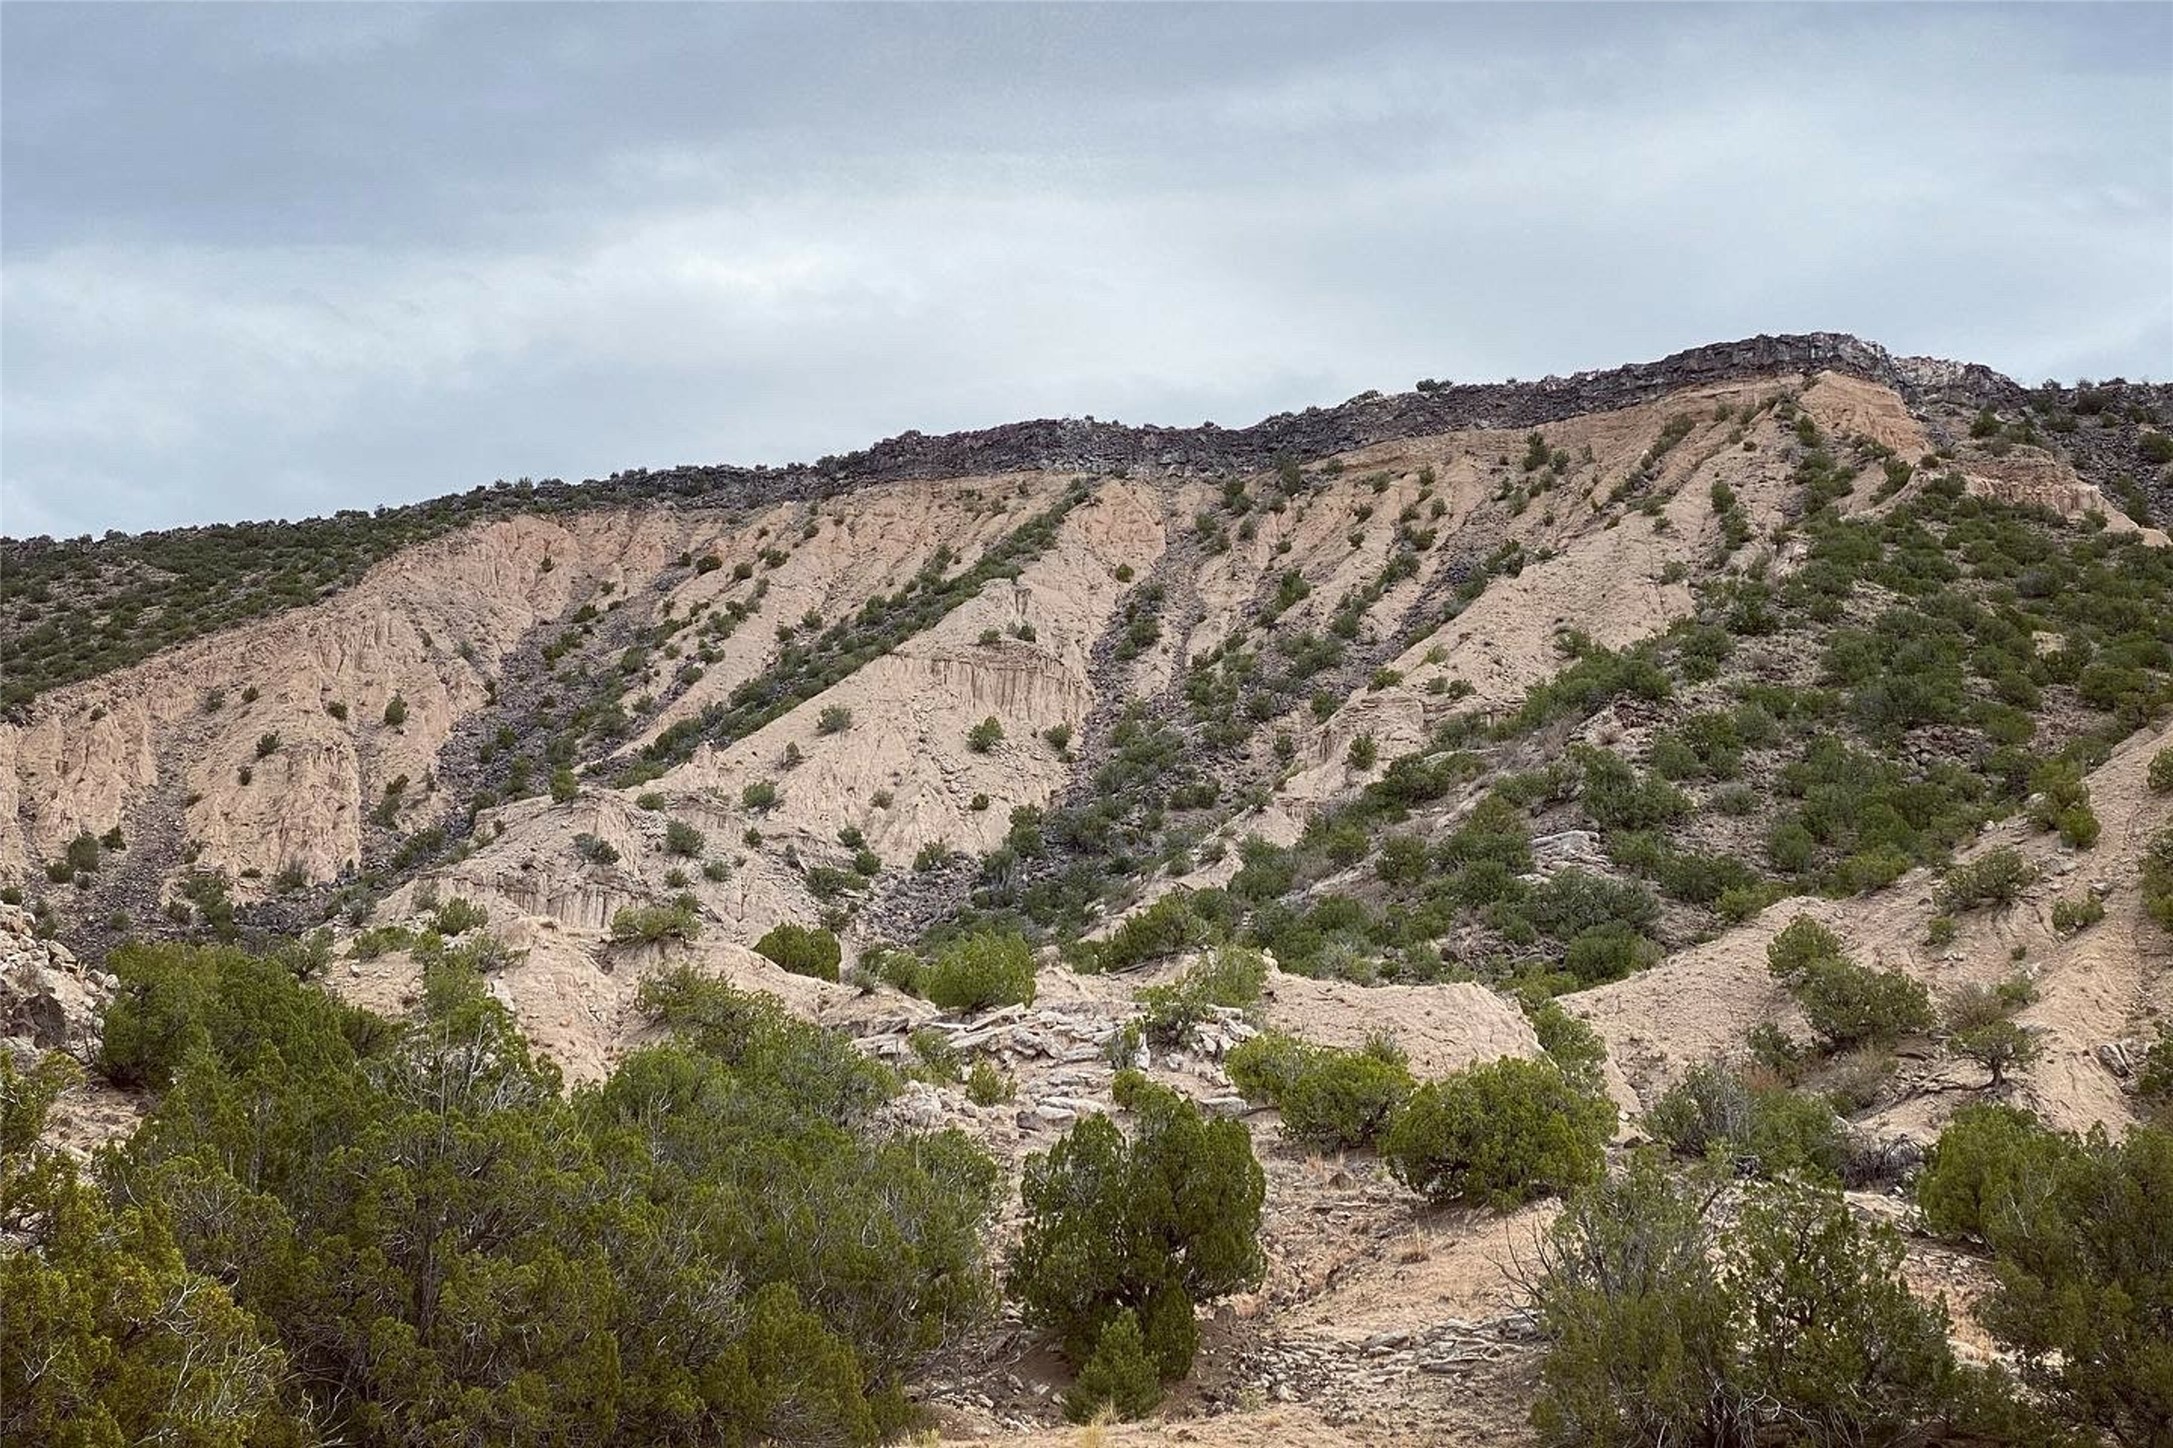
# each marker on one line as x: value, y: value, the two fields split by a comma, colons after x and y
x: 269, y: 261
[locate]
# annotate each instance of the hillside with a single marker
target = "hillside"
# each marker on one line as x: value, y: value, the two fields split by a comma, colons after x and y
x: 1448, y: 703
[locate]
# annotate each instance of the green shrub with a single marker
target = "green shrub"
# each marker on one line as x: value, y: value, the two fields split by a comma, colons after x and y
x: 267, y: 745
x: 2160, y: 775
x: 592, y: 1217
x: 1985, y: 1168
x: 1851, y: 1005
x: 1642, y: 1342
x: 1609, y: 952
x: 982, y: 970
x: 1596, y: 678
x: 564, y: 787
x: 802, y: 949
x: 985, y: 736
x: 458, y: 915
x: 1329, y: 1097
x: 2083, y: 1251
x: 1797, y: 946
x: 82, y: 854
x: 396, y: 711
x: 651, y: 800
x: 834, y: 719
x: 2154, y: 1076
x: 683, y: 839
x: 2156, y: 871
x: 112, y: 1337
x: 2076, y: 914
x: 1571, y: 1043
x: 1570, y: 902
x: 1264, y: 1067
x: 1153, y: 1226
x: 2062, y: 802
x: 1618, y: 797
x: 1766, y: 1131
x: 1059, y: 737
x: 1119, y: 1378
x: 594, y: 850
x: 1996, y: 877
x: 175, y: 1000
x: 759, y: 796
x: 1978, y: 1028
x: 649, y: 924
x: 1342, y: 1098
x: 1170, y: 926
x: 1231, y: 977
x: 987, y: 1086
x: 1501, y: 1133
x: 1998, y: 1046
x: 1363, y: 753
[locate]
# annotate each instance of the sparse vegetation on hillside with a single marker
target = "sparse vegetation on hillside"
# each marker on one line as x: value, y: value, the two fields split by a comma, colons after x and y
x: 1279, y: 742
x: 806, y: 667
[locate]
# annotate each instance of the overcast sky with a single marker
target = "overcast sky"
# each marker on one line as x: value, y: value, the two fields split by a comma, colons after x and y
x: 271, y: 261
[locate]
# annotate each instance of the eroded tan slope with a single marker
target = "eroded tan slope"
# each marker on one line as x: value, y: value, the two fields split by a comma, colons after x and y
x: 1383, y: 1320
x: 138, y: 748
x: 437, y: 625
x: 2112, y: 981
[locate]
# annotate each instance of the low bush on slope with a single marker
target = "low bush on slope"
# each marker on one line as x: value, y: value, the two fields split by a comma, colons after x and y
x: 1785, y: 1320
x: 1124, y: 1237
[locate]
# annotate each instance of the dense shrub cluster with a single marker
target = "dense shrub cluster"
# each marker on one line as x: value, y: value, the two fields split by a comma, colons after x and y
x: 985, y: 969
x: 2083, y: 1248
x: 110, y: 1336
x: 1758, y: 1129
x: 419, y: 1233
x: 1500, y: 1133
x: 1785, y: 1321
